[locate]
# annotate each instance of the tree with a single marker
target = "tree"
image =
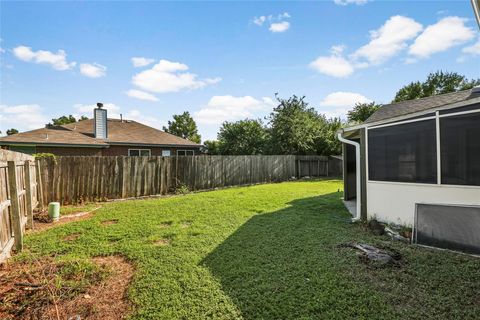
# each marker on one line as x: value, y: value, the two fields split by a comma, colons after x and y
x: 60, y: 121
x: 362, y: 111
x: 328, y: 144
x: 183, y: 126
x: 295, y: 128
x: 436, y: 83
x: 11, y: 131
x: 244, y: 137
x: 212, y: 147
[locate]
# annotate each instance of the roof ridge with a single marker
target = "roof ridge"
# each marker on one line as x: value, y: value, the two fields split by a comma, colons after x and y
x: 426, y: 98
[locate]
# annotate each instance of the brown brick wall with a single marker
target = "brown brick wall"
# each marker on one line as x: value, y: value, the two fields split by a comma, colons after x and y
x: 111, y: 151
x: 68, y: 151
x: 155, y: 151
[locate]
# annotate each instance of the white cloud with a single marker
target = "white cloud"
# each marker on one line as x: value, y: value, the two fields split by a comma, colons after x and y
x: 259, y: 21
x: 446, y: 33
x: 93, y: 70
x: 168, y: 76
x: 22, y: 117
x: 114, y: 112
x: 343, y: 99
x: 347, y: 2
x: 389, y: 39
x: 470, y: 51
x: 141, y: 61
x: 474, y: 49
x: 334, y: 65
x: 141, y: 95
x: 279, y: 26
x: 341, y: 102
x: 148, y: 120
x: 277, y: 23
x: 87, y: 109
x: 58, y: 60
x: 230, y: 108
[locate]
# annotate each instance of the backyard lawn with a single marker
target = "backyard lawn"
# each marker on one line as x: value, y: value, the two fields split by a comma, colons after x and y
x: 262, y: 252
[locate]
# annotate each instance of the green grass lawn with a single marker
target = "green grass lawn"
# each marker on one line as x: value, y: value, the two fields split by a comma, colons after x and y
x: 264, y: 252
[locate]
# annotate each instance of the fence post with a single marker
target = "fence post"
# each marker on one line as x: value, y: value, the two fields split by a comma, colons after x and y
x: 15, y: 206
x: 39, y: 185
x: 28, y: 195
x: 124, y: 175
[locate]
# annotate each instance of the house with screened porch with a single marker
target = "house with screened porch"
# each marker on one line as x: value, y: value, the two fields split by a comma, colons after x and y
x: 417, y: 163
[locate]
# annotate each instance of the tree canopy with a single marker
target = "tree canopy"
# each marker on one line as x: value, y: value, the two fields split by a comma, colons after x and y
x: 295, y: 127
x: 212, y: 147
x: 361, y: 112
x: 244, y: 137
x: 64, y: 120
x: 292, y: 128
x: 11, y: 131
x: 183, y: 126
x: 436, y: 83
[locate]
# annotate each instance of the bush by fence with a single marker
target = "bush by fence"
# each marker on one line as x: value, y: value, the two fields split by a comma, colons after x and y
x: 76, y: 179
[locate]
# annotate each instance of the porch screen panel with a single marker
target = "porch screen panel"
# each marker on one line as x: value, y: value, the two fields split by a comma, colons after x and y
x: 460, y: 149
x: 403, y: 153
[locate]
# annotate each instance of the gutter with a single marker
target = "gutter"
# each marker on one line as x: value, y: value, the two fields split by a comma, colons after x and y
x: 357, y: 173
x: 476, y: 10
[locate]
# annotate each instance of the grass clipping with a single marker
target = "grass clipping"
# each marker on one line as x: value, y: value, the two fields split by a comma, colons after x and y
x: 65, y: 288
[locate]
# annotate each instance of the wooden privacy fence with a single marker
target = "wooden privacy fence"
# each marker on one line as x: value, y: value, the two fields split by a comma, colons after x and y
x: 319, y: 166
x: 18, y: 199
x: 76, y: 179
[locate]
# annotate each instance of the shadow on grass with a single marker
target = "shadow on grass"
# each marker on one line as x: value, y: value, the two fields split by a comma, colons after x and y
x: 286, y: 264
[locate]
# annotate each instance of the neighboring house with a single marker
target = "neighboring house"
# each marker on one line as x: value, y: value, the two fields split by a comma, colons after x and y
x: 100, y: 137
x: 417, y: 163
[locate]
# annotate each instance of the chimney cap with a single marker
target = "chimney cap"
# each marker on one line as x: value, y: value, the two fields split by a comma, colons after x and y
x: 99, y: 105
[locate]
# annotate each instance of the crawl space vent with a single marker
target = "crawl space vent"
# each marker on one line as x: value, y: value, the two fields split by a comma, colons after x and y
x: 453, y: 227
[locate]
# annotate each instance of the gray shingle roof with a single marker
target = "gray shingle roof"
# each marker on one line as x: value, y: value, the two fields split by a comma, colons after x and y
x: 403, y: 108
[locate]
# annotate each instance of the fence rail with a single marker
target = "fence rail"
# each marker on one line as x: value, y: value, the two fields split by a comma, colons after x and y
x: 76, y: 179
x: 18, y: 199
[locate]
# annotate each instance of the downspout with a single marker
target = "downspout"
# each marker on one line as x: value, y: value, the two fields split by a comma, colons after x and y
x: 357, y: 173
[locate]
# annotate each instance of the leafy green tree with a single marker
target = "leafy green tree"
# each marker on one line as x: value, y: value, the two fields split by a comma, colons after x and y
x: 244, y: 137
x: 60, y: 121
x: 361, y: 112
x: 436, y: 83
x: 11, y: 131
x: 295, y: 128
x: 212, y: 147
x: 183, y: 126
x: 327, y: 143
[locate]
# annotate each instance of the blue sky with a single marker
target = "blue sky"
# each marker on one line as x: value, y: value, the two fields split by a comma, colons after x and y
x: 221, y: 60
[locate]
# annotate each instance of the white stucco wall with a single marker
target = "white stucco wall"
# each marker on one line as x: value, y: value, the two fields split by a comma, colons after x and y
x: 395, y: 202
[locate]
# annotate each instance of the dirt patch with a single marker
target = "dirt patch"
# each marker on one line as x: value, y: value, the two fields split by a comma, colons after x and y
x: 186, y: 224
x: 162, y: 242
x: 71, y: 237
x: 109, y: 222
x: 166, y: 224
x: 80, y: 289
x: 41, y: 221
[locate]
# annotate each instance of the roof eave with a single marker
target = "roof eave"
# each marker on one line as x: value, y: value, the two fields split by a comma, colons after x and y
x: 416, y: 114
x: 52, y: 144
x: 163, y: 145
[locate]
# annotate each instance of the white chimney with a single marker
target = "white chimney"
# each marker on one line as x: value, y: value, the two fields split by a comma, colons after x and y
x: 100, y: 122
